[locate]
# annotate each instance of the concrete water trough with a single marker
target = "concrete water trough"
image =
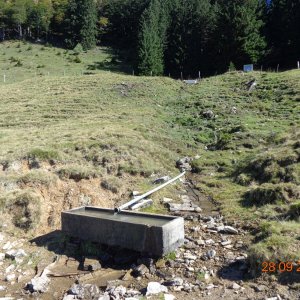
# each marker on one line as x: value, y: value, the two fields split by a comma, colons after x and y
x: 146, y: 233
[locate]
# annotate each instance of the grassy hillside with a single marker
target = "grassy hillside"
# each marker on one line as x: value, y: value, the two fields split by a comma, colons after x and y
x: 121, y: 129
x: 21, y: 60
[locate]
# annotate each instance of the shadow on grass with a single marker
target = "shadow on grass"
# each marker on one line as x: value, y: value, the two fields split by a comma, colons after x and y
x: 119, y: 62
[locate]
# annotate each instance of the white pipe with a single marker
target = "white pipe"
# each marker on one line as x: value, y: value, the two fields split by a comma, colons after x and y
x: 133, y: 201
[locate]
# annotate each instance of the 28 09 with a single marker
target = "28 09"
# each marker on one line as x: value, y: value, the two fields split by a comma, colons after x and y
x: 272, y: 267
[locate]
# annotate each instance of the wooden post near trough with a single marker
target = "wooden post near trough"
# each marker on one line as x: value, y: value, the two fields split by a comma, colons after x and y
x: 298, y: 64
x: 199, y: 75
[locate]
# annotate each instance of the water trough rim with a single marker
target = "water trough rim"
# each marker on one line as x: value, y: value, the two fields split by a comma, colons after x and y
x: 169, y: 219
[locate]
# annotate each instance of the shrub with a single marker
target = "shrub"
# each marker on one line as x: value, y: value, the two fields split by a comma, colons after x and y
x: 294, y: 211
x: 243, y: 179
x: 112, y: 184
x: 25, y: 206
x: 29, y: 48
x: 268, y: 193
x: 78, y: 172
x: 38, y: 177
x: 77, y: 60
x: 43, y: 154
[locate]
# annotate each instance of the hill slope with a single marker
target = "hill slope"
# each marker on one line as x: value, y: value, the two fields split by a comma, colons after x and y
x: 68, y: 141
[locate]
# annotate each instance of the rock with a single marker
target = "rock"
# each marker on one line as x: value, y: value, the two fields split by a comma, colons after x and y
x: 2, y: 256
x: 226, y: 243
x: 161, y: 180
x: 227, y: 229
x: 169, y: 297
x: 184, y: 164
x: 209, y: 242
x: 208, y: 114
x: 142, y: 204
x: 140, y: 270
x: 259, y: 288
x: 69, y: 297
x: 116, y: 292
x: 2, y: 288
x: 10, y: 268
x: 233, y: 110
x: 166, y: 200
x: 104, y: 297
x: 200, y: 242
x: 211, y: 254
x: 135, y: 193
x: 210, y: 286
x: 189, y: 256
x: 235, y: 286
x: 177, y: 281
x: 10, y: 277
x: 154, y: 288
x: 91, y: 264
x: 77, y: 290
x: 13, y: 254
x: 38, y: 284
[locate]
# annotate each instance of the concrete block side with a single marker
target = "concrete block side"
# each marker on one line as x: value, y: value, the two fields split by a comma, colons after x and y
x: 142, y: 238
x: 173, y: 235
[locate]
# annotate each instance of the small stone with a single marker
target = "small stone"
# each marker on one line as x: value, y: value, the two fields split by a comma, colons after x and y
x: 154, y: 288
x: 91, y: 264
x: 2, y: 256
x: 235, y: 286
x: 225, y: 243
x: 140, y: 270
x: 135, y: 193
x: 210, y: 286
x: 189, y: 256
x: 177, y: 281
x: 209, y: 242
x: 169, y: 297
x: 161, y: 180
x: 10, y: 277
x: 2, y: 288
x: 10, y: 268
x: 38, y: 284
x: 167, y: 200
x: 259, y: 288
x: 200, y: 243
x: 211, y: 254
x: 227, y: 229
x: 13, y: 254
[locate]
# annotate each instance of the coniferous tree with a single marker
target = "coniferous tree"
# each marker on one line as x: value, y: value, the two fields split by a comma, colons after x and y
x: 152, y: 38
x: 282, y: 32
x: 190, y: 37
x: 82, y: 23
x: 238, y: 33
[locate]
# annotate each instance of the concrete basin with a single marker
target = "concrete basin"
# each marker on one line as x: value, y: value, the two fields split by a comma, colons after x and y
x: 146, y: 233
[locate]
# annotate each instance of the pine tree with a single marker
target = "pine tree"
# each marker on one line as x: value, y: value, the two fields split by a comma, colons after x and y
x: 82, y: 23
x: 152, y: 38
x: 190, y: 37
x: 239, y: 33
x: 282, y: 31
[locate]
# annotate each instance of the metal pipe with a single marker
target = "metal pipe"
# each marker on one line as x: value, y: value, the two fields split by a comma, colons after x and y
x: 133, y: 201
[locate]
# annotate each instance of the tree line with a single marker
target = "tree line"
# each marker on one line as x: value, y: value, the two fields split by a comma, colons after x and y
x: 166, y: 36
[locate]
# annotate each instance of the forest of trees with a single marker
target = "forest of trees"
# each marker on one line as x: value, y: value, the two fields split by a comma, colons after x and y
x: 165, y: 36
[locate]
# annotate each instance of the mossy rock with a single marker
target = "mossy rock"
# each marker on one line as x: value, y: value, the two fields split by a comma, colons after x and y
x: 25, y: 207
x: 268, y: 193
